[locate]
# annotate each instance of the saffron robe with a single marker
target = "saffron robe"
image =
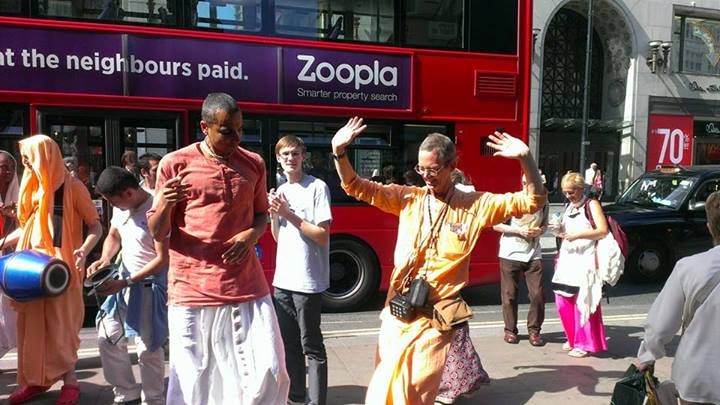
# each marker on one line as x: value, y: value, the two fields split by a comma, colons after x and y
x: 411, y: 356
x: 48, y: 329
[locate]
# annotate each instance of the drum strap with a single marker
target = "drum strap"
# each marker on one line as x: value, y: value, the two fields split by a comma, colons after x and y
x: 58, y: 216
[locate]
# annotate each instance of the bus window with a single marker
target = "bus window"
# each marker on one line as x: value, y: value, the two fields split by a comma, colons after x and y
x: 82, y: 142
x: 434, y: 24
x: 251, y: 138
x: 228, y: 15
x: 12, y: 128
x: 385, y: 152
x: 158, y: 12
x: 143, y: 136
x: 348, y: 20
x: 11, y: 6
x: 493, y: 26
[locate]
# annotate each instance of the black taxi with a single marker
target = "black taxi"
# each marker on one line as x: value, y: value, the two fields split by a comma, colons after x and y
x: 663, y: 215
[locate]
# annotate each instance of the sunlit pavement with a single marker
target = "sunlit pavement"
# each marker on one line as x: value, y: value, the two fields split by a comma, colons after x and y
x: 521, y: 373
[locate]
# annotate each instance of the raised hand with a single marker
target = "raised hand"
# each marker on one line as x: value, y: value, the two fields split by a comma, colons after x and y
x: 345, y: 135
x: 174, y: 191
x: 508, y: 146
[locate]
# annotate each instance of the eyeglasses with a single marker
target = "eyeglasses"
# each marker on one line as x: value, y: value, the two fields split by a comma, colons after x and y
x: 428, y: 172
x: 569, y: 193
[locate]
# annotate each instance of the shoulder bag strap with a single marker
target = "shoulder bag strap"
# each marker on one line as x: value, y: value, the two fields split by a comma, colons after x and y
x: 57, y: 217
x: 431, y: 237
x: 700, y: 298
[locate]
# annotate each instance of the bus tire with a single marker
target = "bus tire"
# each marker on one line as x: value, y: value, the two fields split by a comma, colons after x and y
x: 354, y: 275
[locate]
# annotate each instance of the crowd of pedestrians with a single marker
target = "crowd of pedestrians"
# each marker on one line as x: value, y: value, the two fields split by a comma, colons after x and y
x: 182, y: 242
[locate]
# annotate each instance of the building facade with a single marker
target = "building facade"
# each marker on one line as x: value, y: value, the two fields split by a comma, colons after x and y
x: 654, y: 89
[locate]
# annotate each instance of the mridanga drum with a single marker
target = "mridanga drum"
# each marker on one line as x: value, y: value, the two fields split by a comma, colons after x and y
x: 28, y: 275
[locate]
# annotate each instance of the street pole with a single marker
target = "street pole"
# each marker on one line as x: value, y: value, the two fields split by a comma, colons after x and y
x: 586, y: 93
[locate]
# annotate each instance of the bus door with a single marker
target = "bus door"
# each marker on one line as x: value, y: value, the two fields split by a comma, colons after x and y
x: 91, y: 140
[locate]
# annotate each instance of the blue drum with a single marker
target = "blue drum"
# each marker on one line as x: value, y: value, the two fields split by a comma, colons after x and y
x: 29, y: 275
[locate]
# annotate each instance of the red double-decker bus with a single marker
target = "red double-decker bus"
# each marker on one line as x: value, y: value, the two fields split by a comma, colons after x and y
x: 103, y: 77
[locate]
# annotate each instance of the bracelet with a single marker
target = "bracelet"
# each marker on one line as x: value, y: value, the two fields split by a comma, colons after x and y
x: 339, y: 155
x: 129, y: 281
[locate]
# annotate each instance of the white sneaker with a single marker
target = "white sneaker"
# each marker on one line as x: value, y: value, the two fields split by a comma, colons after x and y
x: 577, y: 353
x: 566, y: 346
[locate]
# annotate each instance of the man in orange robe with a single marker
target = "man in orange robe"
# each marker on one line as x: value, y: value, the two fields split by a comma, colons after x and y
x: 48, y: 329
x: 411, y: 355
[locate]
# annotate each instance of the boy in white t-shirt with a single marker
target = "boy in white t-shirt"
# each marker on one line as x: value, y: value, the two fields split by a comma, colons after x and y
x: 300, y: 213
x: 137, y: 301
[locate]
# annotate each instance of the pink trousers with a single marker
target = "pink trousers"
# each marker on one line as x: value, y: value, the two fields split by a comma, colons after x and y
x: 589, y: 337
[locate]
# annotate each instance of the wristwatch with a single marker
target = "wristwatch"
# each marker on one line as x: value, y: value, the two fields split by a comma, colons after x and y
x: 339, y: 155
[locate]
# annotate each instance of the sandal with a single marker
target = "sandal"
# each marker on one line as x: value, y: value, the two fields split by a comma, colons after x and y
x: 69, y: 395
x: 566, y: 346
x: 577, y: 353
x: 536, y: 340
x: 26, y: 393
x: 511, y: 337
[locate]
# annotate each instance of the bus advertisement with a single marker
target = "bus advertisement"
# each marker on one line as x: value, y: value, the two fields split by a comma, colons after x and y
x: 105, y: 81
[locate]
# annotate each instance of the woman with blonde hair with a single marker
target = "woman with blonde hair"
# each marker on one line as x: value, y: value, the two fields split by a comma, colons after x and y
x: 52, y: 208
x: 576, y: 283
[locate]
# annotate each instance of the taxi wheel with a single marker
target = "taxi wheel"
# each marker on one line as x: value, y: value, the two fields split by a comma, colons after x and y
x: 649, y: 262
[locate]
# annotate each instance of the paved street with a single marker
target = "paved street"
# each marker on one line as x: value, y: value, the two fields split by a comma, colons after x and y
x: 521, y: 374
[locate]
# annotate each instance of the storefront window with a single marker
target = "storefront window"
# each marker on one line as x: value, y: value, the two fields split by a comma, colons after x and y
x: 698, y: 40
x: 159, y: 12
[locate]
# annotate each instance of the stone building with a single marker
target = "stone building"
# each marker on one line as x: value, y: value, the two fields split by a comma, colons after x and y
x: 654, y: 91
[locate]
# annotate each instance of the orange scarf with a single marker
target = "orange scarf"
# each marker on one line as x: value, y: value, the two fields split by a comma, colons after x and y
x: 37, y: 188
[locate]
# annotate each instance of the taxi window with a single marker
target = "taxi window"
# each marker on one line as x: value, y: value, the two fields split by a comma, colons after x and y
x: 659, y: 190
x: 706, y: 189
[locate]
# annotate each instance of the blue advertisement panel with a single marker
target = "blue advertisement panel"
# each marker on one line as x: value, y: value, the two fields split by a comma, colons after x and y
x: 59, y: 61
x: 327, y: 77
x: 192, y: 68
x: 33, y: 59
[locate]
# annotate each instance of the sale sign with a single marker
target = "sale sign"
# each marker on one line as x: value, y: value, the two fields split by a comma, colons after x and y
x: 670, y: 140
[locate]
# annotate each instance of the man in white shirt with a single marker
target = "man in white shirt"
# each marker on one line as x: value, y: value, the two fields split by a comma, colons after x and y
x: 690, y: 300
x: 590, y: 174
x: 148, y: 165
x: 300, y: 213
x: 520, y: 253
x: 136, y: 303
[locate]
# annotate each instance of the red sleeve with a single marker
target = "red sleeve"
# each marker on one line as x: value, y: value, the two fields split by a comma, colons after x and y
x: 164, y: 173
x: 260, y: 203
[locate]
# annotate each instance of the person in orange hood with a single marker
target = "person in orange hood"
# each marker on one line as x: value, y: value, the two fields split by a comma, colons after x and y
x: 48, y: 329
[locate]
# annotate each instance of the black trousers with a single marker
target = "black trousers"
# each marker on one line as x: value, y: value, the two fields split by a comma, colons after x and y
x: 299, y: 318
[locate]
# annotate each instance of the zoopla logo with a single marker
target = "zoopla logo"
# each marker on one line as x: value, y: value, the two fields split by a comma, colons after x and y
x: 359, y: 75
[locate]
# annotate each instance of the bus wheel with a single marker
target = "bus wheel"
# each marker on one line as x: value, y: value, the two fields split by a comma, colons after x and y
x: 354, y: 272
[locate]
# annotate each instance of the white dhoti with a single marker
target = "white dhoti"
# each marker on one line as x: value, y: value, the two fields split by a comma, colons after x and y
x: 8, y: 325
x: 116, y: 365
x: 230, y: 354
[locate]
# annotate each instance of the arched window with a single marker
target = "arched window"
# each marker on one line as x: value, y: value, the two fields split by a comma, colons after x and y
x: 564, y: 68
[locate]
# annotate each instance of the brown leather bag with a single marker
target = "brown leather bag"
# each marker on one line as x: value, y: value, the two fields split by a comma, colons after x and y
x: 450, y: 312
